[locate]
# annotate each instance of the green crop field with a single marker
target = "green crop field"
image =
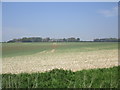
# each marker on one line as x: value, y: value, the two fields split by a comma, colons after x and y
x: 16, y: 49
x: 59, y: 64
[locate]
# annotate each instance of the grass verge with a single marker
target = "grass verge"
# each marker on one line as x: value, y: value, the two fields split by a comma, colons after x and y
x: 59, y: 78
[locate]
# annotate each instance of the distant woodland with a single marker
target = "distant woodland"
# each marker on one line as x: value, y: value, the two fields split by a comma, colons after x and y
x: 71, y: 39
x: 106, y: 40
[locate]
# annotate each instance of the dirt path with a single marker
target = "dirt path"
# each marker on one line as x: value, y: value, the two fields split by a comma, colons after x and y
x: 74, y: 61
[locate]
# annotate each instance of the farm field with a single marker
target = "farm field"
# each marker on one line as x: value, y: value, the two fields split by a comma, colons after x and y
x: 59, y: 45
x: 41, y: 57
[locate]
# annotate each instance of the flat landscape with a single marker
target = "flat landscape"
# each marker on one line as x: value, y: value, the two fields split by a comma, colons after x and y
x: 45, y: 56
x: 60, y: 45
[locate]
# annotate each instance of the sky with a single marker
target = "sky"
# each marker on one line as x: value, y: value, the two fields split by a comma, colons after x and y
x: 86, y: 20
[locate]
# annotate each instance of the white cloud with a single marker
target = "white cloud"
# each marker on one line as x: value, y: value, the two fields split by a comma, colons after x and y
x: 109, y: 13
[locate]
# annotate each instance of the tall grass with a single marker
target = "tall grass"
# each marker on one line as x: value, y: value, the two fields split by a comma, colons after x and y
x: 59, y: 78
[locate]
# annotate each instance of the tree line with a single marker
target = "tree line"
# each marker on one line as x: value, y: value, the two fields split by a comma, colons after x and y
x: 39, y: 39
x: 71, y: 39
x: 107, y: 40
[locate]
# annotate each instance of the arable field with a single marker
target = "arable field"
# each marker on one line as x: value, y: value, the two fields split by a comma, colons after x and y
x: 60, y: 65
x: 40, y: 57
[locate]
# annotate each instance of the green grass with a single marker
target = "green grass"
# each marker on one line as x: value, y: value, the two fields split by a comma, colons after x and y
x: 17, y: 49
x: 58, y: 78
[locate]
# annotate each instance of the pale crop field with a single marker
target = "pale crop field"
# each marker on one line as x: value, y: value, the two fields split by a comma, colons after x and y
x: 40, y: 57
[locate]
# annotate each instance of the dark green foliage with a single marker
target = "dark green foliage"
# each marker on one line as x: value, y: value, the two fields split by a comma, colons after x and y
x: 39, y: 39
x: 106, y: 40
x: 71, y: 39
x: 58, y: 78
x: 25, y: 39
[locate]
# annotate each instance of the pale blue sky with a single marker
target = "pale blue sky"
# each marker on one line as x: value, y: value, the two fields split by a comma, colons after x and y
x: 86, y: 20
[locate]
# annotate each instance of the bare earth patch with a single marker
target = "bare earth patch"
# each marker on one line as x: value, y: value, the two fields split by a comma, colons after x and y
x: 74, y: 61
x: 53, y: 50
